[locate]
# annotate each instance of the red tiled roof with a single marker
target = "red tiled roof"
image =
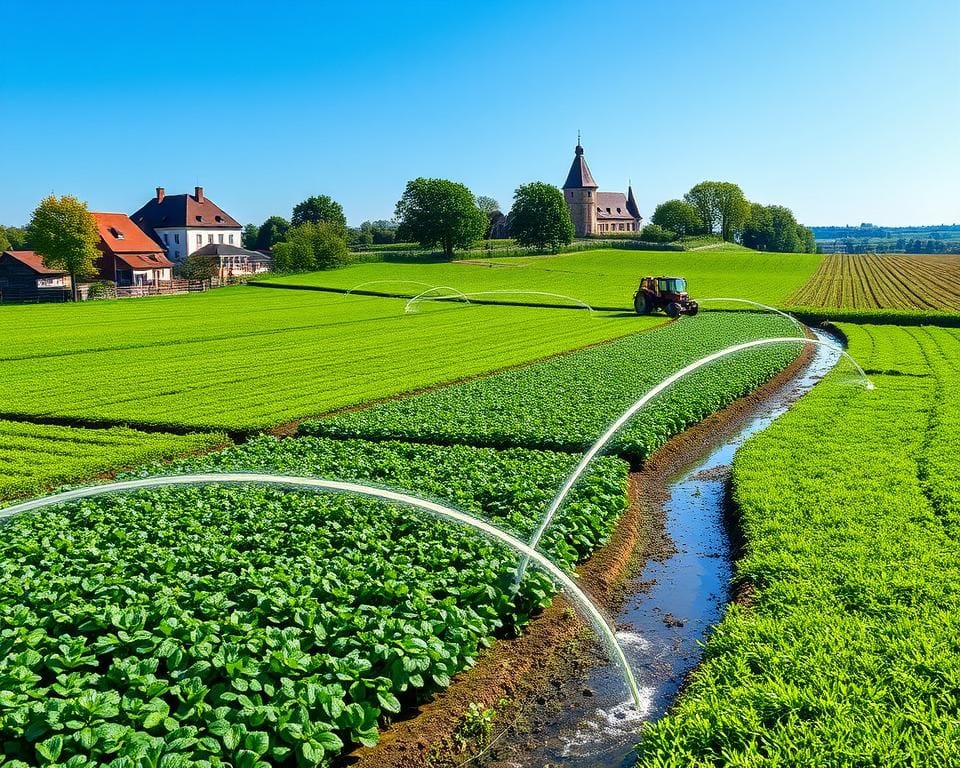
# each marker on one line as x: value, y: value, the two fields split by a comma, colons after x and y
x: 145, y: 261
x: 34, y: 261
x: 121, y: 236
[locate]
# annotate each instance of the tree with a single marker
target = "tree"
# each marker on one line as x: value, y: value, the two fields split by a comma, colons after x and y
x: 15, y: 237
x: 5, y: 244
x: 703, y: 197
x: 249, y: 237
x: 540, y: 217
x: 316, y: 246
x: 196, y: 267
x: 317, y: 209
x: 271, y: 232
x: 487, y: 204
x: 774, y: 228
x: 65, y: 235
x: 678, y: 216
x: 732, y: 209
x: 438, y: 212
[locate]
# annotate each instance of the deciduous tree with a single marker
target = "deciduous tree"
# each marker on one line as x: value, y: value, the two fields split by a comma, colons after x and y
x: 65, y: 235
x: 249, y: 236
x: 438, y: 212
x: 540, y: 217
x: 487, y: 204
x: 678, y: 216
x: 271, y: 232
x: 317, y: 209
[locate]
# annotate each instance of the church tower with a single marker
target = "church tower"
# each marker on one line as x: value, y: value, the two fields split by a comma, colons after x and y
x: 580, y: 192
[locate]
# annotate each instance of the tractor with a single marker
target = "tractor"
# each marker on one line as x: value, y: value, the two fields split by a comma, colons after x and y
x: 666, y: 293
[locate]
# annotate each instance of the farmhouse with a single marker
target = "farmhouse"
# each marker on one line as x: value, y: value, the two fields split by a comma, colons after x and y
x: 129, y: 256
x: 183, y: 224
x: 596, y: 212
x: 23, y: 277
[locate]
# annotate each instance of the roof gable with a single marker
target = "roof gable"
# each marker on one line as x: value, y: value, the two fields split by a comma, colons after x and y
x: 34, y: 261
x: 118, y: 234
x: 184, y: 211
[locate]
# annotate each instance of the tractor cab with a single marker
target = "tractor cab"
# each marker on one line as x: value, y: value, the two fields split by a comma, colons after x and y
x: 666, y: 293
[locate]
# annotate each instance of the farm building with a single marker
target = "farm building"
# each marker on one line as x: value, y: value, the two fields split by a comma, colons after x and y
x: 129, y: 256
x: 24, y: 278
x: 232, y: 260
x: 596, y: 212
x: 182, y: 224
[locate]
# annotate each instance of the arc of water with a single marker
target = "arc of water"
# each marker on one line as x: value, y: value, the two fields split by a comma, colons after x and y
x: 579, y: 597
x: 534, y: 293
x: 372, y: 282
x: 612, y: 430
x: 789, y: 317
x: 424, y: 296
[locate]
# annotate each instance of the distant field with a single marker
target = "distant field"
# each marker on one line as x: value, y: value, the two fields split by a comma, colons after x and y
x: 887, y: 281
x: 244, y: 359
x: 602, y: 277
x: 36, y: 457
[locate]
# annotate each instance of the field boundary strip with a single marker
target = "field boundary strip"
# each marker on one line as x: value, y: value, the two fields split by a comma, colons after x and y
x: 387, y: 295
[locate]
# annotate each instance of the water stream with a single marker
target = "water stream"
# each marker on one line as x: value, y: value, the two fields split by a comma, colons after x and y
x: 662, y: 623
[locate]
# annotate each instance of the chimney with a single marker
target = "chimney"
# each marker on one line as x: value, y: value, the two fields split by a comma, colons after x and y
x: 160, y: 194
x: 198, y: 193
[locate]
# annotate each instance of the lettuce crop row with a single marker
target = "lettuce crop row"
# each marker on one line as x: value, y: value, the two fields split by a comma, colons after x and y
x: 37, y: 457
x: 850, y: 510
x: 566, y: 403
x: 250, y: 627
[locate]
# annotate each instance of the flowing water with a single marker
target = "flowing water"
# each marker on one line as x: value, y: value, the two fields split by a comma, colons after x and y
x: 661, y: 624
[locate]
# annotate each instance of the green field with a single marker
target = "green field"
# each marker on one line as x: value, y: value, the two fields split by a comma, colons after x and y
x: 848, y: 653
x: 37, y: 457
x: 244, y: 359
x: 603, y: 277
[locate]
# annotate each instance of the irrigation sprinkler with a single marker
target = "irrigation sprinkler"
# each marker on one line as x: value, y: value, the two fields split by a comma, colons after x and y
x: 789, y: 317
x: 424, y: 296
x: 372, y: 282
x: 588, y: 608
x: 615, y: 427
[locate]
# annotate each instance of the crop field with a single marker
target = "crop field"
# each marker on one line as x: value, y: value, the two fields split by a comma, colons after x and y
x: 36, y: 457
x: 848, y: 652
x: 566, y: 403
x: 886, y: 281
x: 603, y: 278
x: 245, y: 359
x: 186, y: 627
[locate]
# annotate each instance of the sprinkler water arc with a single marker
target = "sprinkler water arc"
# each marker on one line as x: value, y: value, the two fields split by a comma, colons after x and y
x: 424, y: 296
x: 373, y: 282
x: 767, y: 307
x: 612, y: 430
x: 588, y: 608
x: 575, y: 300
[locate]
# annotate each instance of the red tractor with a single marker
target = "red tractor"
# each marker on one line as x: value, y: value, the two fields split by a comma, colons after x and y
x: 666, y: 293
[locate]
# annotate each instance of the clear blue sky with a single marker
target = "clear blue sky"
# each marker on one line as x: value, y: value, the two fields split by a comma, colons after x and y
x: 846, y: 111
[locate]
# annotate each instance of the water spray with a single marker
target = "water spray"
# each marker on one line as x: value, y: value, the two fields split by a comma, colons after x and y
x: 425, y: 295
x: 372, y: 282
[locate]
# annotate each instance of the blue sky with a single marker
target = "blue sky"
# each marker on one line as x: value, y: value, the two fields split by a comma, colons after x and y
x: 845, y: 111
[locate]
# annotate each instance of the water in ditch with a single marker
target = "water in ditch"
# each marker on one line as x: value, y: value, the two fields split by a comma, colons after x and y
x: 663, y: 622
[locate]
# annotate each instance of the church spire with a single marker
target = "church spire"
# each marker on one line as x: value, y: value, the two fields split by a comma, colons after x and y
x: 632, y: 202
x: 579, y: 176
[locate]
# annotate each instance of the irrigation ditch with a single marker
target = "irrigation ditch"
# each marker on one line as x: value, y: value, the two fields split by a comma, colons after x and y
x: 551, y: 697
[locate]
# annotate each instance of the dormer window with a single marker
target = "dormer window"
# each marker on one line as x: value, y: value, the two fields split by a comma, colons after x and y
x: 219, y: 218
x: 618, y: 210
x: 608, y: 210
x: 116, y: 233
x: 199, y: 218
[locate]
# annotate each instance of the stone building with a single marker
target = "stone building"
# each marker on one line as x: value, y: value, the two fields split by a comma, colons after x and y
x: 594, y: 212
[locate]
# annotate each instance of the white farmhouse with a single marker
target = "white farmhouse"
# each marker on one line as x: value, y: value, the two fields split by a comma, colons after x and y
x: 183, y: 224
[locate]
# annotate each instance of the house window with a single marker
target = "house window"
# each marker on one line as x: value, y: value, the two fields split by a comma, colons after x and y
x: 231, y: 239
x: 621, y: 227
x: 176, y: 238
x: 199, y: 240
x: 220, y: 238
x: 166, y: 239
x: 176, y: 255
x: 209, y: 238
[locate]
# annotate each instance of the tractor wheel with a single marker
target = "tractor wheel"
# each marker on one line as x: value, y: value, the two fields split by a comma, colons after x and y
x: 693, y: 308
x: 641, y: 303
x: 674, y: 310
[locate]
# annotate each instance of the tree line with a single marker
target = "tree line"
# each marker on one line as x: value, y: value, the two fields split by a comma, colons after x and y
x: 721, y: 208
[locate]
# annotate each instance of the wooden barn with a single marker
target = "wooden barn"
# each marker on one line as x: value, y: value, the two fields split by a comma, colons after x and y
x: 24, y: 278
